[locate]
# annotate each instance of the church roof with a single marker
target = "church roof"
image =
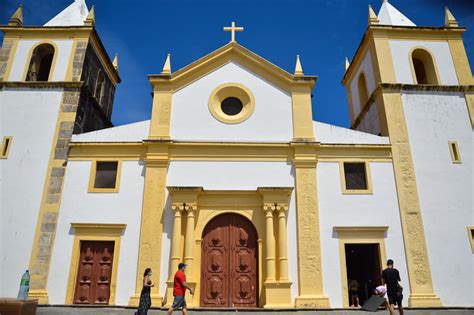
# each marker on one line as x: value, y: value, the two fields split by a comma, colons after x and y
x: 331, y: 134
x: 389, y: 15
x: 134, y: 132
x: 225, y: 54
x: 73, y: 15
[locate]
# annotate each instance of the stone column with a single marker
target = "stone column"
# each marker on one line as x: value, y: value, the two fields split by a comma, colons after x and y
x: 269, y: 208
x: 189, y: 241
x: 282, y: 210
x: 175, y: 258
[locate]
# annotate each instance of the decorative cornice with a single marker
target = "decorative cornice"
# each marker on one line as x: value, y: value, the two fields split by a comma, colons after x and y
x: 41, y: 84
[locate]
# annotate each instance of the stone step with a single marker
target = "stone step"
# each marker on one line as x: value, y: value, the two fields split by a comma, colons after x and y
x: 74, y: 310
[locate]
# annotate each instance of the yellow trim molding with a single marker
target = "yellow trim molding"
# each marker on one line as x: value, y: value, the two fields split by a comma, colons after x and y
x: 368, y: 178
x: 11, y: 57
x: 30, y: 54
x: 94, y: 232
x: 358, y: 235
x: 454, y: 150
x: 92, y: 189
x: 6, y: 146
x: 470, y: 232
x: 226, y: 90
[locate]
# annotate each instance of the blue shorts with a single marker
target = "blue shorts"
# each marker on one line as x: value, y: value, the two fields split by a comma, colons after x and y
x: 179, y: 302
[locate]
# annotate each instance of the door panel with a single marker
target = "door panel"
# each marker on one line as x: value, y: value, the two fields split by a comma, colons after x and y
x: 229, y: 263
x: 94, y: 272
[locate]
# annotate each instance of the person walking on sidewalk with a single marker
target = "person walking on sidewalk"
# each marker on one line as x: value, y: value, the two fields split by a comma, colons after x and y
x: 179, y: 291
x: 391, y: 277
x: 145, y: 298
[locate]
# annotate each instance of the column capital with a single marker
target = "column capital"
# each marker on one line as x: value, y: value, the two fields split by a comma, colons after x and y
x: 282, y: 209
x: 190, y: 207
x: 269, y: 207
x: 177, y: 207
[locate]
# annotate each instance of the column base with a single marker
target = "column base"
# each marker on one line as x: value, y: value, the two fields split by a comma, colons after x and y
x: 156, y: 300
x: 424, y: 300
x: 41, y: 295
x: 277, y: 295
x: 312, y: 301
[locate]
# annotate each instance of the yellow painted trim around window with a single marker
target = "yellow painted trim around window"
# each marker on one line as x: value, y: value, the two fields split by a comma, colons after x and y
x: 94, y: 232
x: 6, y: 145
x: 454, y: 150
x: 226, y: 90
x: 358, y: 235
x: 470, y: 231
x: 92, y: 189
x: 53, y: 63
x: 368, y: 179
x: 412, y: 66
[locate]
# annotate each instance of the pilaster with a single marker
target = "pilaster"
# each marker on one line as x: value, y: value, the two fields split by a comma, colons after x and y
x: 156, y: 169
x: 310, y: 284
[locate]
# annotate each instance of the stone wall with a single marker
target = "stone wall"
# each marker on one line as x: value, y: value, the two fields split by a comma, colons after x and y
x: 4, y: 55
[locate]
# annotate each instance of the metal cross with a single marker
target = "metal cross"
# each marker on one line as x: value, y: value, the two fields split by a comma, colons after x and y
x: 232, y: 29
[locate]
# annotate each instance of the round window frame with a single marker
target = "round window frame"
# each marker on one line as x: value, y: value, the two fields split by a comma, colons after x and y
x: 227, y: 90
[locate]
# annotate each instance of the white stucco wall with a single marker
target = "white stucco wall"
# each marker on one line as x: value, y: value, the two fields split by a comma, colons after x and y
x: 331, y: 134
x: 130, y: 132
x: 445, y: 189
x: 271, y: 121
x: 232, y: 176
x: 367, y: 69
x: 79, y: 206
x: 21, y: 62
x: 370, y: 123
x: 377, y: 209
x: 30, y: 118
x: 401, y: 50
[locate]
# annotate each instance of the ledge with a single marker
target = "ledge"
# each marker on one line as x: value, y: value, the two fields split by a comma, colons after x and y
x: 41, y: 84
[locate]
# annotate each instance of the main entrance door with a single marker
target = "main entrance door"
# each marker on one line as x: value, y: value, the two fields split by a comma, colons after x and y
x: 229, y: 266
x: 94, y: 272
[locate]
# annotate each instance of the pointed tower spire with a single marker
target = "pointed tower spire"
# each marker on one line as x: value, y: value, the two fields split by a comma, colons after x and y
x: 298, y: 68
x: 115, y: 62
x: 90, y: 19
x: 17, y: 17
x: 167, y: 65
x: 372, y: 16
x: 449, y: 19
x: 347, y: 64
x: 389, y: 15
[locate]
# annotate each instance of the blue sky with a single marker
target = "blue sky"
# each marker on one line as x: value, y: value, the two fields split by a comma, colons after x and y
x: 321, y: 32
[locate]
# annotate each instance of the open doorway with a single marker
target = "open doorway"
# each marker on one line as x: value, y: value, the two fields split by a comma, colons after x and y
x: 363, y: 267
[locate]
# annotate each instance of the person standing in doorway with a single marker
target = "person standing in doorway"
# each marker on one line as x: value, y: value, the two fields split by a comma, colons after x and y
x: 391, y: 277
x: 354, y: 287
x: 179, y: 290
x: 145, y: 297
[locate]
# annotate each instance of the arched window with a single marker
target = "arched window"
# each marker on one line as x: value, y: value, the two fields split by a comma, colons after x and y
x: 40, y: 63
x: 423, y: 65
x: 99, y: 87
x: 362, y: 88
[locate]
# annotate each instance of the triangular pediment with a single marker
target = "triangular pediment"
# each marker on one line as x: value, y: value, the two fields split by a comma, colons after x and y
x: 231, y: 52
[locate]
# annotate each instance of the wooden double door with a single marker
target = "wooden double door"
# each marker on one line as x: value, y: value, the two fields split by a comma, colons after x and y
x: 94, y: 272
x: 229, y: 267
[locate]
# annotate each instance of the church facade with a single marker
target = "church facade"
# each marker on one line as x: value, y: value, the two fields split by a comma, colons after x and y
x: 231, y: 175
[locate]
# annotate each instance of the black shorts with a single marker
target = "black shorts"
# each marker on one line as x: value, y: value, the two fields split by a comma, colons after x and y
x: 353, y: 293
x: 179, y: 302
x: 395, y: 299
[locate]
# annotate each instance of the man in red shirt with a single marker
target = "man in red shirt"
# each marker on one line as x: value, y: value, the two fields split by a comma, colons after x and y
x: 179, y: 290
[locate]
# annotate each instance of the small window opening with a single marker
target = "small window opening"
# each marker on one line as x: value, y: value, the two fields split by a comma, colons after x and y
x: 106, y: 174
x: 424, y: 67
x: 456, y: 157
x: 232, y: 106
x: 355, y: 176
x: 99, y: 87
x: 362, y: 88
x: 6, y: 146
x: 40, y: 63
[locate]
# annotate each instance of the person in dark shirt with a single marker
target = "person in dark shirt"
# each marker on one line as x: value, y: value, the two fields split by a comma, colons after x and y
x: 391, y: 277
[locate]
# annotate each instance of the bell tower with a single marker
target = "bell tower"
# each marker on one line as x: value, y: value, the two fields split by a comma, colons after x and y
x: 414, y: 84
x: 55, y: 80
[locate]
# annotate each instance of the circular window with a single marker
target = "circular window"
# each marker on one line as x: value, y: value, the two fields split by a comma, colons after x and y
x: 232, y: 106
x: 231, y: 103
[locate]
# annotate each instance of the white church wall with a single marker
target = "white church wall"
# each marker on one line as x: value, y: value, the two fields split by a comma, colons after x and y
x: 326, y: 133
x: 377, y: 209
x: 367, y: 69
x: 30, y: 118
x: 233, y: 176
x: 370, y: 123
x: 21, y: 62
x: 271, y: 120
x: 443, y: 60
x: 445, y: 189
x: 79, y: 206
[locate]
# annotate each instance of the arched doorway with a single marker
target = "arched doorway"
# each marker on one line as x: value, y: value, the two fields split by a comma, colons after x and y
x: 229, y: 266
